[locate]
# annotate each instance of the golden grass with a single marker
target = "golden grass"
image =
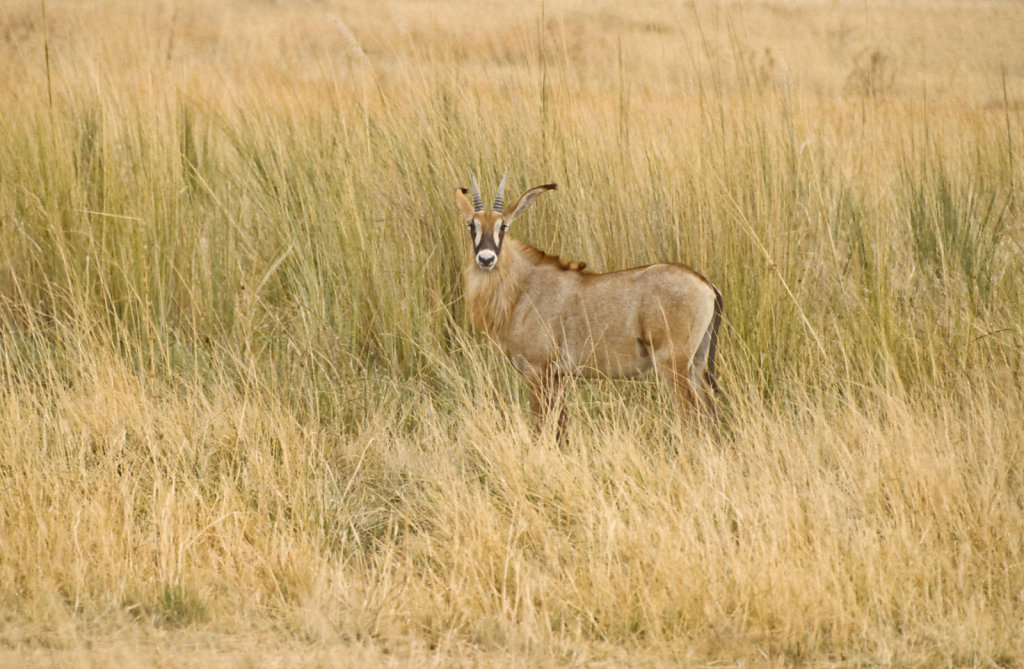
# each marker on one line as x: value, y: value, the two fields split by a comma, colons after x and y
x: 244, y: 420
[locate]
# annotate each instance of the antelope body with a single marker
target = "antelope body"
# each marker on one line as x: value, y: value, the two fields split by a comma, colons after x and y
x: 554, y: 319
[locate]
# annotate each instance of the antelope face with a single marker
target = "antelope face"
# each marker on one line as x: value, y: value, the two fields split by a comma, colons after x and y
x: 487, y: 231
x: 487, y: 228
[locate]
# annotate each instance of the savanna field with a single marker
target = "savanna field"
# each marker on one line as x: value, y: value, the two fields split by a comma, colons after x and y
x: 245, y: 420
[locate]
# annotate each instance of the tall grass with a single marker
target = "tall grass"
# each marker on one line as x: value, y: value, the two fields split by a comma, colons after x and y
x: 241, y: 401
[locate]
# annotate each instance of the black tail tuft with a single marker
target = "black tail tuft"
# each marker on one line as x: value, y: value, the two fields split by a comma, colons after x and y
x: 716, y: 320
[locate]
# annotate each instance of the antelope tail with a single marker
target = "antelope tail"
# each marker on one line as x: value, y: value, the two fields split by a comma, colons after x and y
x: 716, y: 320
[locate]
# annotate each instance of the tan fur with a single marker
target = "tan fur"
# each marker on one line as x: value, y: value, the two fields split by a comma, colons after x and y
x: 553, y: 319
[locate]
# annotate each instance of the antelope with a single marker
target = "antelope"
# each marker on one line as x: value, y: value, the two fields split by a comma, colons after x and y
x: 554, y: 319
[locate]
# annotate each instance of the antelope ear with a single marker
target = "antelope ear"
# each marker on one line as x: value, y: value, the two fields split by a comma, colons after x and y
x: 463, y: 203
x: 524, y: 201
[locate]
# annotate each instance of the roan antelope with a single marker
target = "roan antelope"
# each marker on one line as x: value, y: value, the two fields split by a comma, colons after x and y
x: 553, y: 319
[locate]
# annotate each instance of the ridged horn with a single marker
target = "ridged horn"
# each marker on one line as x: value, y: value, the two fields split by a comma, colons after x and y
x: 478, y: 202
x: 498, y: 201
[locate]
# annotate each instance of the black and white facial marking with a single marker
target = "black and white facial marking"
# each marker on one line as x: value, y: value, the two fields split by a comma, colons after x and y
x: 487, y: 237
x: 487, y: 228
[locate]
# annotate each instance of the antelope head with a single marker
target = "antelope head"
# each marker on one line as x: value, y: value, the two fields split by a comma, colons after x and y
x: 487, y: 228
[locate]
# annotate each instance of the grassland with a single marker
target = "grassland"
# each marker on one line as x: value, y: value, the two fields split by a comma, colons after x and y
x: 244, y: 420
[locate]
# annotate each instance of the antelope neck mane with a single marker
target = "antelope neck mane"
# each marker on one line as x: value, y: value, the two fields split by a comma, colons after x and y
x: 538, y: 257
x: 492, y: 296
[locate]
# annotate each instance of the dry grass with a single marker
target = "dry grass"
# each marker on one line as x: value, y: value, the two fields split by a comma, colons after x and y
x: 244, y: 420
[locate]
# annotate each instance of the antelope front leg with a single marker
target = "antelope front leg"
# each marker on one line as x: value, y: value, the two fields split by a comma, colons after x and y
x: 546, y: 397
